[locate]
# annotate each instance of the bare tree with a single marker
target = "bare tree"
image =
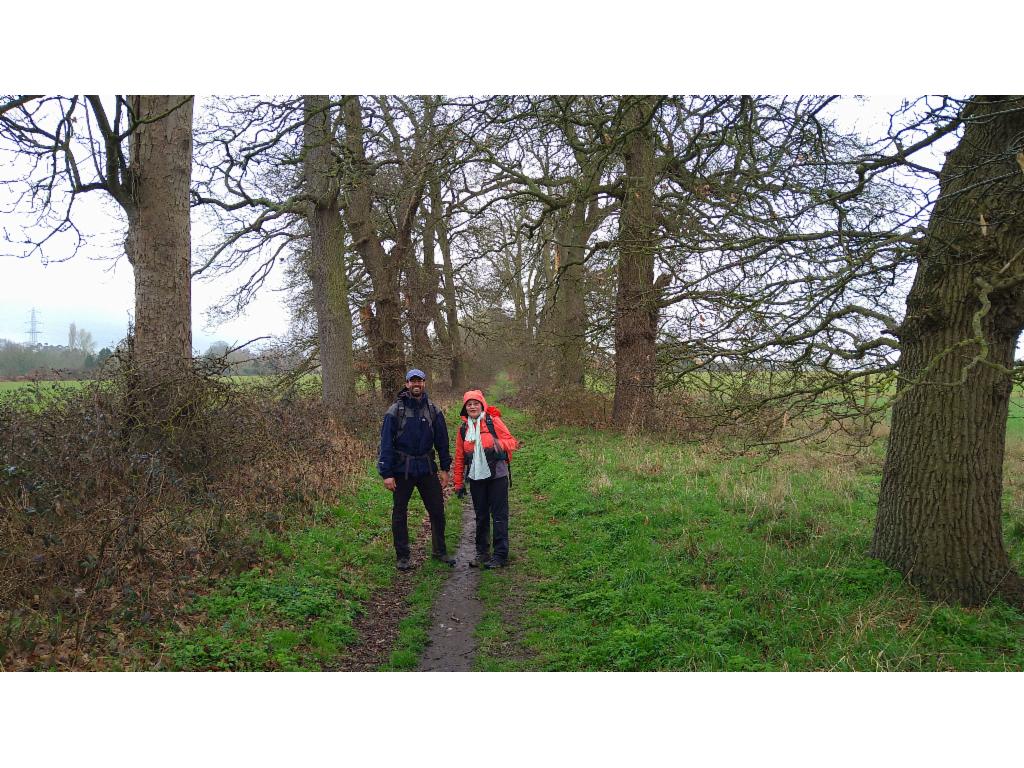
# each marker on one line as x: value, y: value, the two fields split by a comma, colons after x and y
x: 453, y: 334
x: 556, y: 151
x: 327, y: 270
x: 270, y: 176
x: 140, y: 155
x: 636, y: 302
x: 383, y: 320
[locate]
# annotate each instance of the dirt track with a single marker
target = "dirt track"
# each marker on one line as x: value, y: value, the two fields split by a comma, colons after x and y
x: 451, y: 646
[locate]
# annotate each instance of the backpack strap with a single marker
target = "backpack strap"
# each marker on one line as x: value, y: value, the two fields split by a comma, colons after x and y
x: 502, y: 455
x: 490, y: 428
x: 402, y: 416
x: 497, y: 446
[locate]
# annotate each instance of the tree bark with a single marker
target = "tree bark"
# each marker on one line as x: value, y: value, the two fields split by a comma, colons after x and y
x: 939, y: 511
x: 563, y: 328
x: 417, y: 289
x: 431, y: 288
x: 636, y: 307
x: 456, y: 368
x: 158, y: 243
x: 327, y: 260
x: 382, y: 267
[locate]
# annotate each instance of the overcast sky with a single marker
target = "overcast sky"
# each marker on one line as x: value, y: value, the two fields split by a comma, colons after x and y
x: 98, y: 297
x: 95, y: 288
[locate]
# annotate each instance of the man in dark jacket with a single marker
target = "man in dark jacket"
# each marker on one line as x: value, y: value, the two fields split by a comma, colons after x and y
x: 413, y: 429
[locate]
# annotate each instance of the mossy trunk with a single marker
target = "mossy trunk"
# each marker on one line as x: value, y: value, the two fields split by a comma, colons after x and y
x: 636, y: 307
x: 327, y: 259
x: 456, y: 368
x: 940, y: 510
x: 383, y: 267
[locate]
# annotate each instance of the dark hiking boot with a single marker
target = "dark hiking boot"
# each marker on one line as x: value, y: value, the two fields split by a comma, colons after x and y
x: 495, y: 563
x: 403, y: 564
x: 479, y: 560
x: 446, y: 559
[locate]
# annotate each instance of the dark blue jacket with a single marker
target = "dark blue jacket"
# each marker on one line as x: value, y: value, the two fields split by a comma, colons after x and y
x: 412, y: 453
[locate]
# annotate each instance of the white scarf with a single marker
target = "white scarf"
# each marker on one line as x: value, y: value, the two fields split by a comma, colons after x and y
x: 478, y: 470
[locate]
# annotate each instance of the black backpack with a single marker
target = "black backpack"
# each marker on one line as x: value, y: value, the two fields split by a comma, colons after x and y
x: 402, y: 415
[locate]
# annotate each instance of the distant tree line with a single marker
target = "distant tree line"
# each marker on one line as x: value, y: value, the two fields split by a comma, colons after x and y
x: 77, y: 358
x: 48, y: 361
x: 42, y: 360
x: 234, y: 361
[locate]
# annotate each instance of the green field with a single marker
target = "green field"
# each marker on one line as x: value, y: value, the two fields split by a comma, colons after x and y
x: 43, y: 386
x: 640, y: 554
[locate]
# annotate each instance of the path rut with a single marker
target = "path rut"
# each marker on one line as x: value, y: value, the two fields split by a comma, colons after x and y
x: 451, y: 646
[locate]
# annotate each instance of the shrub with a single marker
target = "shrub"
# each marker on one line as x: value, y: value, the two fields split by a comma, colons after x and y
x: 118, y: 502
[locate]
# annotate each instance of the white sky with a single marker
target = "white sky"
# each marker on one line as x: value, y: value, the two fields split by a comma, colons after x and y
x: 97, y: 294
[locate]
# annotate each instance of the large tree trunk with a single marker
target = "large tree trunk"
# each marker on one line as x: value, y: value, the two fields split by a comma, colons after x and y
x: 382, y: 267
x: 416, y: 291
x: 636, y: 308
x: 563, y: 329
x: 158, y: 244
x: 568, y: 324
x: 457, y: 373
x: 939, y: 510
x: 327, y: 260
x: 431, y: 288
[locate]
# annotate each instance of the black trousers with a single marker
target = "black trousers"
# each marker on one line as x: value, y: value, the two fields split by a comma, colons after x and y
x: 490, y: 506
x: 429, y: 487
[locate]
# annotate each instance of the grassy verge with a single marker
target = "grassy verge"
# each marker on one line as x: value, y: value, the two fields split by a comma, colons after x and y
x: 636, y: 554
x: 297, y: 611
x: 413, y: 629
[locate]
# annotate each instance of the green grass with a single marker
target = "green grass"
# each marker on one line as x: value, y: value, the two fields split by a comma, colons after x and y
x: 296, y: 612
x: 43, y: 387
x: 627, y: 554
x: 413, y: 629
x: 637, y: 554
x: 1015, y: 423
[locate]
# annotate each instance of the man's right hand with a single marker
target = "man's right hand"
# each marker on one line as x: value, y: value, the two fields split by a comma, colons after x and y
x: 389, y: 483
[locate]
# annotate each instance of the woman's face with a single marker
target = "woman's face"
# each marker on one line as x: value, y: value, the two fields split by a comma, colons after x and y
x: 473, y: 408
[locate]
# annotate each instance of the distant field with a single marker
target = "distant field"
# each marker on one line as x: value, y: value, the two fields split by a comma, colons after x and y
x: 11, y: 386
x: 1015, y: 424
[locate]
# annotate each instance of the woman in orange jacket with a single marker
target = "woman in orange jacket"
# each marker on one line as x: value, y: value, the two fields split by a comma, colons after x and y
x: 483, y: 449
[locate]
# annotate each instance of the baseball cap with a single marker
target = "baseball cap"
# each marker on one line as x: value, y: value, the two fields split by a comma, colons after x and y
x: 414, y: 373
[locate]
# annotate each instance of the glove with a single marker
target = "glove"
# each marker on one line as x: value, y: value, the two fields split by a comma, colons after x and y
x: 461, y: 493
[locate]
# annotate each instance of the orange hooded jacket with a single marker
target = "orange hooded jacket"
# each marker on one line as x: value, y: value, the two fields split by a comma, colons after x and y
x: 462, y: 447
